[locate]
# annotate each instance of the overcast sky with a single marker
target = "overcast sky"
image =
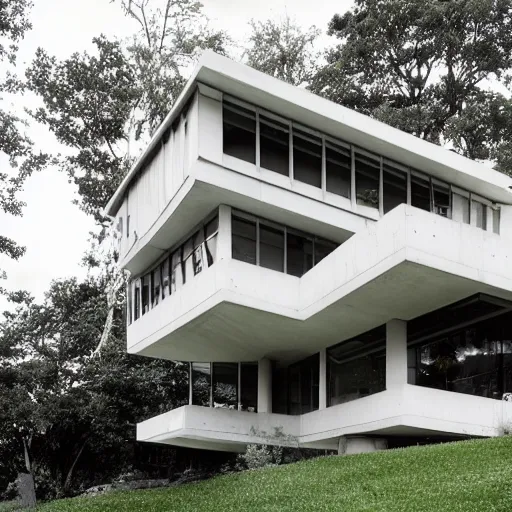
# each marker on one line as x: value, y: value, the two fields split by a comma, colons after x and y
x: 54, y: 230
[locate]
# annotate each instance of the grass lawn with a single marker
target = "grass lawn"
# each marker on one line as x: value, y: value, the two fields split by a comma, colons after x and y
x: 467, y: 476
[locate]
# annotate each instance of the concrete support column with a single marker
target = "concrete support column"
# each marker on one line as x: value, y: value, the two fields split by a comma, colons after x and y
x: 264, y: 385
x: 396, y: 353
x: 322, y: 388
x: 360, y: 444
x: 224, y: 236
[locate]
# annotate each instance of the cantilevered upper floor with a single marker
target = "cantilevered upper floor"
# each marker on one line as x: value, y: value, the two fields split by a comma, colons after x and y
x: 241, y: 138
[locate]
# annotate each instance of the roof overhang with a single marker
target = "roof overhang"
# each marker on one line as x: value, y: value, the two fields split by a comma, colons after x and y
x: 316, y: 112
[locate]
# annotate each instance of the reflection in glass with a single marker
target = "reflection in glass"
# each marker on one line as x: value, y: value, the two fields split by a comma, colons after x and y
x: 249, y: 387
x: 394, y: 187
x: 225, y: 385
x: 164, y: 272
x: 176, y: 271
x: 201, y: 384
x: 244, y: 240
x: 420, y: 192
x: 357, y: 367
x: 155, y: 286
x: 299, y: 254
x: 146, y: 283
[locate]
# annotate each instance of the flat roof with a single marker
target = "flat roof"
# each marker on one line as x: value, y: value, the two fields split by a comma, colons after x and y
x: 304, y: 107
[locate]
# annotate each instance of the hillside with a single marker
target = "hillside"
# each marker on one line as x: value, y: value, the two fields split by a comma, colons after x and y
x: 466, y: 476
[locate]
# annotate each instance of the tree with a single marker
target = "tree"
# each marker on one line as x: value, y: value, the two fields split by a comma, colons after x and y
x: 283, y: 50
x: 14, y: 144
x: 101, y: 105
x: 422, y: 67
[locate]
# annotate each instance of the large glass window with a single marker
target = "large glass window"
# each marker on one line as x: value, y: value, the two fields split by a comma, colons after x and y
x: 274, y: 146
x: 465, y: 347
x: 479, y: 213
x: 243, y: 239
x: 304, y: 378
x: 357, y: 367
x: 338, y: 169
x: 394, y: 186
x: 249, y: 387
x: 176, y: 271
x: 420, y: 192
x: 496, y: 221
x: 211, y: 234
x: 225, y: 385
x: 201, y: 384
x: 129, y: 301
x: 299, y: 254
x: 239, y: 132
x: 271, y: 247
x: 307, y: 158
x: 188, y: 264
x: 198, y: 262
x: 460, y: 211
x: 367, y: 180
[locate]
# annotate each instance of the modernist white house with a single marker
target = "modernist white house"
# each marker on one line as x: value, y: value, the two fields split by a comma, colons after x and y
x: 318, y: 271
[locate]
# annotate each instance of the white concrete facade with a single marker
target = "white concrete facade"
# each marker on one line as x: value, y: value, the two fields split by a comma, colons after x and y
x: 220, y: 304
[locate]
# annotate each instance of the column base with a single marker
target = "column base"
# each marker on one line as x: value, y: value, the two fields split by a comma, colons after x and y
x: 359, y: 444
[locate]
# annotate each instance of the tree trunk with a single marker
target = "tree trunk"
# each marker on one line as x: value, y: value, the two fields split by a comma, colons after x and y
x: 26, y: 490
x: 67, y: 483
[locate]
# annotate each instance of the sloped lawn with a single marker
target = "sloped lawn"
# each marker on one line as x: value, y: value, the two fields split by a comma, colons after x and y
x: 466, y: 476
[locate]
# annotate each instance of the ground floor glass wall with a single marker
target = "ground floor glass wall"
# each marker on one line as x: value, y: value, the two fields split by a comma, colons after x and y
x: 474, y: 357
x: 224, y: 385
x: 357, y: 367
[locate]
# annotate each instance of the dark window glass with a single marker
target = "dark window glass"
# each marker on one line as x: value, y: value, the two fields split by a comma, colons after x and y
x: 136, y: 300
x: 274, y: 146
x: 357, y: 367
x: 338, y: 168
x: 146, y: 284
x: 211, y: 231
x: 201, y: 384
x: 244, y: 240
x: 395, y: 187
x: 156, y: 285
x: 304, y: 385
x: 299, y: 254
x: 465, y: 353
x: 129, y: 290
x: 239, y: 132
x: 225, y: 385
x: 441, y: 199
x: 322, y: 249
x: 164, y: 273
x: 367, y: 180
x: 420, y: 192
x: 307, y: 158
x: 176, y: 271
x: 249, y: 387
x: 271, y: 248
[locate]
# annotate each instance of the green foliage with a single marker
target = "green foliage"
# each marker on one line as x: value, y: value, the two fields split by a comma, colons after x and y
x: 283, y: 50
x: 422, y: 67
x: 469, y: 476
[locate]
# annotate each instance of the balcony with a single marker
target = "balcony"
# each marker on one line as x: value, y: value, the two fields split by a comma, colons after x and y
x: 407, y: 264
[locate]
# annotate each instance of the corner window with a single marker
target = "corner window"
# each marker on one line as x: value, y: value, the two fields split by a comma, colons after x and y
x: 271, y: 248
x: 322, y: 249
x: 239, y: 132
x: 367, y: 180
x: 274, y: 146
x: 244, y: 240
x: 307, y: 158
x: 394, y: 187
x: 338, y: 169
